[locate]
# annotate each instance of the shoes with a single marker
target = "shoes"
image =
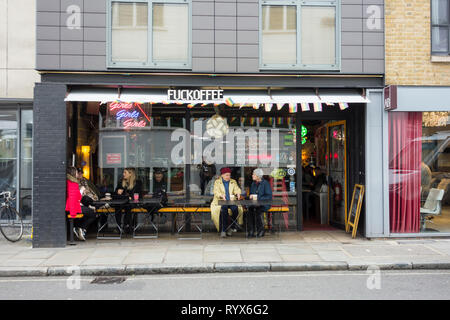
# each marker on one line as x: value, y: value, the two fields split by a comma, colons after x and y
x: 229, y: 233
x: 250, y: 234
x: 82, y: 233
x: 77, y: 233
x: 261, y: 234
x: 223, y: 234
x: 234, y: 230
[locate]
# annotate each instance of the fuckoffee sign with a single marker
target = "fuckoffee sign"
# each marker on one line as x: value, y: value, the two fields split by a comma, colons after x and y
x: 194, y: 95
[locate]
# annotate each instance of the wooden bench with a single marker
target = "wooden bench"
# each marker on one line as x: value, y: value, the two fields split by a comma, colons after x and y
x: 71, y: 226
x: 191, y: 210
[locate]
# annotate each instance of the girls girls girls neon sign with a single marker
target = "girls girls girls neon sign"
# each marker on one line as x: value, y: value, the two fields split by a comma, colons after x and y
x: 124, y: 111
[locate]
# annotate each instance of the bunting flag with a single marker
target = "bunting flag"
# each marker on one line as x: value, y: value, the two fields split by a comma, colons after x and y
x: 343, y: 105
x: 329, y: 104
x: 268, y: 107
x: 279, y: 106
x: 204, y: 104
x: 256, y: 106
x: 292, y: 107
x: 229, y: 102
x: 305, y: 106
x: 279, y: 121
x: 317, y: 106
x: 165, y: 102
x: 252, y: 121
x: 216, y: 104
x: 190, y: 105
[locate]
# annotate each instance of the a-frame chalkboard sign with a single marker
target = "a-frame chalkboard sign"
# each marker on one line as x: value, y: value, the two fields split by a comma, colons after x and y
x: 355, y: 209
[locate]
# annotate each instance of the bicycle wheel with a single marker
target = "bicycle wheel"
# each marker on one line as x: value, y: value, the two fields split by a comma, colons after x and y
x: 11, y: 225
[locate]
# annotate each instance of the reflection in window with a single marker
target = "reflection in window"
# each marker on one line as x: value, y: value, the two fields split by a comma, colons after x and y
x: 279, y: 35
x: 8, y: 150
x: 419, y: 167
x: 129, y: 32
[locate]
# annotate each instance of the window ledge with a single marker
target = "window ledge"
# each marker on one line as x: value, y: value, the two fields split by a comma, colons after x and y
x: 440, y: 58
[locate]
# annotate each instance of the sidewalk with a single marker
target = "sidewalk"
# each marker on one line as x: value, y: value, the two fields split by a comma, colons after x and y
x: 291, y: 251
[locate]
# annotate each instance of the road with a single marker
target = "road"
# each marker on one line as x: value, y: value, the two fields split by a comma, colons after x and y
x: 238, y: 286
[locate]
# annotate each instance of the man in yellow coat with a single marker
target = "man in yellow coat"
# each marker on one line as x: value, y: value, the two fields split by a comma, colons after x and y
x: 225, y: 188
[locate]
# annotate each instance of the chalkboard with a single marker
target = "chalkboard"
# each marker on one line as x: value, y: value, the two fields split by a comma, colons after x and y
x: 355, y: 209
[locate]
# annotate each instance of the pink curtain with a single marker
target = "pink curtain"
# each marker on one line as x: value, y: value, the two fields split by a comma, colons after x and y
x: 405, y: 156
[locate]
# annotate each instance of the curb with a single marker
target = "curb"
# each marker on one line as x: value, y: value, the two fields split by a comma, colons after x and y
x: 129, y: 270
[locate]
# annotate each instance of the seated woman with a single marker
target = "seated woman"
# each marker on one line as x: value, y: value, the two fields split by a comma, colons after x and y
x: 74, y: 207
x: 127, y: 187
x: 261, y: 189
x: 225, y: 188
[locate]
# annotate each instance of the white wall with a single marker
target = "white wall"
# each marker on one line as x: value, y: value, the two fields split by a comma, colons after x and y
x: 17, y: 48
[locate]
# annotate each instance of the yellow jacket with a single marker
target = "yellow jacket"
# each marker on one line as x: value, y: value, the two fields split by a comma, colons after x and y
x: 219, y: 193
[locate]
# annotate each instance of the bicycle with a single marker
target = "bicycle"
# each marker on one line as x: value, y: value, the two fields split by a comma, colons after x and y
x: 11, y: 224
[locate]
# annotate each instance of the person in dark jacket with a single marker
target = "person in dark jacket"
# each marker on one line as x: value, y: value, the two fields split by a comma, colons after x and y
x: 127, y: 187
x: 259, y: 190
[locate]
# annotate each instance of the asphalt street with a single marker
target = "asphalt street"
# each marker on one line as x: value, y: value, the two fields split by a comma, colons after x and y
x: 371, y: 284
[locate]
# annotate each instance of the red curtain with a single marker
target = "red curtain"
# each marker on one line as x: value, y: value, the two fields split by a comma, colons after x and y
x: 405, y: 156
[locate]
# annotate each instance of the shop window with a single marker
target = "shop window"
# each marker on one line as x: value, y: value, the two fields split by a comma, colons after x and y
x: 8, y: 150
x: 149, y: 34
x: 300, y: 35
x: 419, y: 172
x: 440, y: 27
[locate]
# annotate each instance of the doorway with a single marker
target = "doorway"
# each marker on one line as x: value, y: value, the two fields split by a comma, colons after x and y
x: 324, y: 174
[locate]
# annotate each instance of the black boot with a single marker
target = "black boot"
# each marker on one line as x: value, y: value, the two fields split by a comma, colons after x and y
x: 251, y: 234
x: 261, y: 233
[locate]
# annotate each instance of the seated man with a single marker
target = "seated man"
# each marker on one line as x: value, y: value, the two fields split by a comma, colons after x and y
x: 259, y: 190
x: 225, y: 188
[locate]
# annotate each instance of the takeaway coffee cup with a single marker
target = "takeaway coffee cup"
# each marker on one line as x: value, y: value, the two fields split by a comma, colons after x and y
x: 232, y: 197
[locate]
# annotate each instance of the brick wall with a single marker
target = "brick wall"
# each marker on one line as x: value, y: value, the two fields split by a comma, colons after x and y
x: 408, y: 45
x: 49, y: 165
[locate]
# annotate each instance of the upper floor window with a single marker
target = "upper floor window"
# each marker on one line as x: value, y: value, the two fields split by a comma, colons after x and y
x: 440, y: 27
x: 300, y: 34
x: 149, y: 34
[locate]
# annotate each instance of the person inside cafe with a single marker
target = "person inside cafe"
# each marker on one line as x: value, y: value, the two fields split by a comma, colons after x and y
x: 207, y: 172
x: 226, y: 188
x: 159, y: 191
x: 127, y: 187
x: 259, y: 190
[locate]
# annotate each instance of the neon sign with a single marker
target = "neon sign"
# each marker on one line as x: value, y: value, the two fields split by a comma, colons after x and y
x: 121, y: 105
x: 126, y: 111
x: 127, y: 114
x: 133, y: 123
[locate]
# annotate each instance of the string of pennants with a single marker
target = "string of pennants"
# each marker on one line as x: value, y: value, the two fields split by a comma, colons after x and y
x: 293, y: 107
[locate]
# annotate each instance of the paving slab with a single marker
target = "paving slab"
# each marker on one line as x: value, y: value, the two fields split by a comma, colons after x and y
x: 300, y: 258
x: 225, y: 256
x: 144, y: 258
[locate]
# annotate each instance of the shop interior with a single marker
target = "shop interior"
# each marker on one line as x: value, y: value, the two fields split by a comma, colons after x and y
x: 103, y: 139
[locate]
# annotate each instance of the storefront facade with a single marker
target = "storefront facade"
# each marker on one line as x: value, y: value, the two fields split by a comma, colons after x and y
x: 104, y: 107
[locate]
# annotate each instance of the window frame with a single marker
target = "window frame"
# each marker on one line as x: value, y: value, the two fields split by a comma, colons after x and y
x: 300, y: 66
x: 439, y: 53
x: 150, y: 63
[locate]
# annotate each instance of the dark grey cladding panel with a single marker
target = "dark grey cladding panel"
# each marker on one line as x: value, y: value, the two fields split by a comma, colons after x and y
x: 49, y: 165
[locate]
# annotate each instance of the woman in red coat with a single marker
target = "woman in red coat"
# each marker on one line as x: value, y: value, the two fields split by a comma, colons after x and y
x: 73, y: 193
x: 73, y: 198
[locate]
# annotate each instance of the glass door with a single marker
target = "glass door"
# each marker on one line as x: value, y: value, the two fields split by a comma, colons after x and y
x: 336, y: 160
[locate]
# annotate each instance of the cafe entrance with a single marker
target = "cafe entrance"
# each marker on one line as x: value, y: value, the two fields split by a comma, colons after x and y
x: 332, y: 162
